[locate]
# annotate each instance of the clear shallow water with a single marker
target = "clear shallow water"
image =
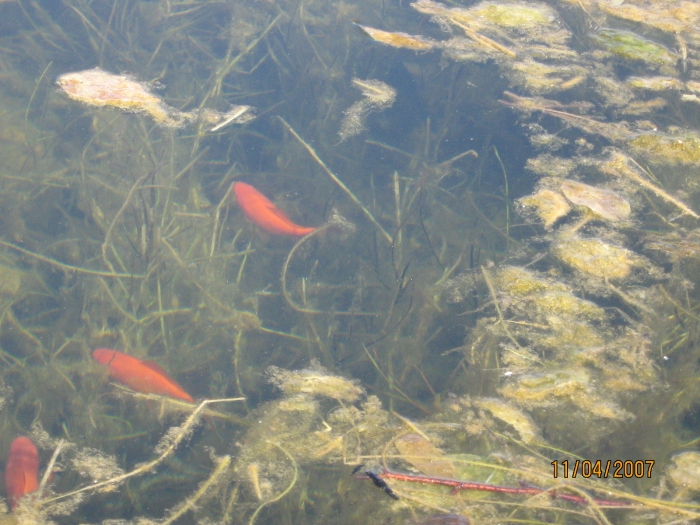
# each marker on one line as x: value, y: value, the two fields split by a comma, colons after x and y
x: 509, y: 333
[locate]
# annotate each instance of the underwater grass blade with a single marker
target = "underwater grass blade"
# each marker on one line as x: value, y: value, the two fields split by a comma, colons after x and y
x: 335, y: 179
x: 286, y: 491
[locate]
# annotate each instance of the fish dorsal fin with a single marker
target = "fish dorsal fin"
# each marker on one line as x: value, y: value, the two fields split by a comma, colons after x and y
x: 155, y: 367
x: 25, y: 482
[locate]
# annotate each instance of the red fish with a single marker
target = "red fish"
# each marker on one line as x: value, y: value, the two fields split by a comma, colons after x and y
x: 22, y: 469
x: 266, y: 215
x: 143, y: 376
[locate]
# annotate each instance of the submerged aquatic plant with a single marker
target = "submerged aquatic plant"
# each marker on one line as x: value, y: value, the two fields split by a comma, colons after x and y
x: 489, y: 345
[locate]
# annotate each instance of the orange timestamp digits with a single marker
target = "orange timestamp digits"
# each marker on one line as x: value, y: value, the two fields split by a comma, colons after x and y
x: 599, y: 469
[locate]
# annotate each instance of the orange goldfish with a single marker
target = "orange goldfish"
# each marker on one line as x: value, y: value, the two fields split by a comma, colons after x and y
x: 266, y: 215
x: 142, y: 376
x: 22, y: 469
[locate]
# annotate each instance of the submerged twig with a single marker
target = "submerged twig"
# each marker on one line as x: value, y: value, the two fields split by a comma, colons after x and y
x: 184, y: 431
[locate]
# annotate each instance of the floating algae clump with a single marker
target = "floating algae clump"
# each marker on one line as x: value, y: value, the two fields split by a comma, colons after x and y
x: 96, y: 465
x: 315, y: 381
x: 666, y: 149
x: 377, y: 97
x: 630, y: 46
x: 595, y: 258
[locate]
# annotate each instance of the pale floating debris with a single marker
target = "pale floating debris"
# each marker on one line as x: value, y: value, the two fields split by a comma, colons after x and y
x: 377, y: 97
x: 595, y: 258
x: 604, y: 203
x: 235, y: 115
x: 425, y: 456
x: 400, y: 40
x: 99, y: 88
x: 654, y: 83
x: 550, y: 206
x: 685, y: 471
x: 96, y: 87
x: 379, y: 94
x: 315, y: 381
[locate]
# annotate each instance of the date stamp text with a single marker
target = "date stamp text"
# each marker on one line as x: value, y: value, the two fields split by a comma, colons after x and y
x: 603, y: 469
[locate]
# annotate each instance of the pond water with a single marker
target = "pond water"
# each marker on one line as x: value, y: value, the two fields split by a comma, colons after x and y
x: 316, y: 262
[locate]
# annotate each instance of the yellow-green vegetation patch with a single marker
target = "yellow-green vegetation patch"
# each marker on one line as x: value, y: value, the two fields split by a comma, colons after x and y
x: 665, y: 149
x: 595, y: 258
x: 420, y: 453
x: 511, y: 415
x: 548, y: 165
x: 567, y: 385
x: 536, y: 390
x: 550, y: 206
x: 516, y: 15
x: 567, y: 305
x: 569, y: 334
x: 518, y: 281
x: 654, y: 83
x: 632, y: 47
